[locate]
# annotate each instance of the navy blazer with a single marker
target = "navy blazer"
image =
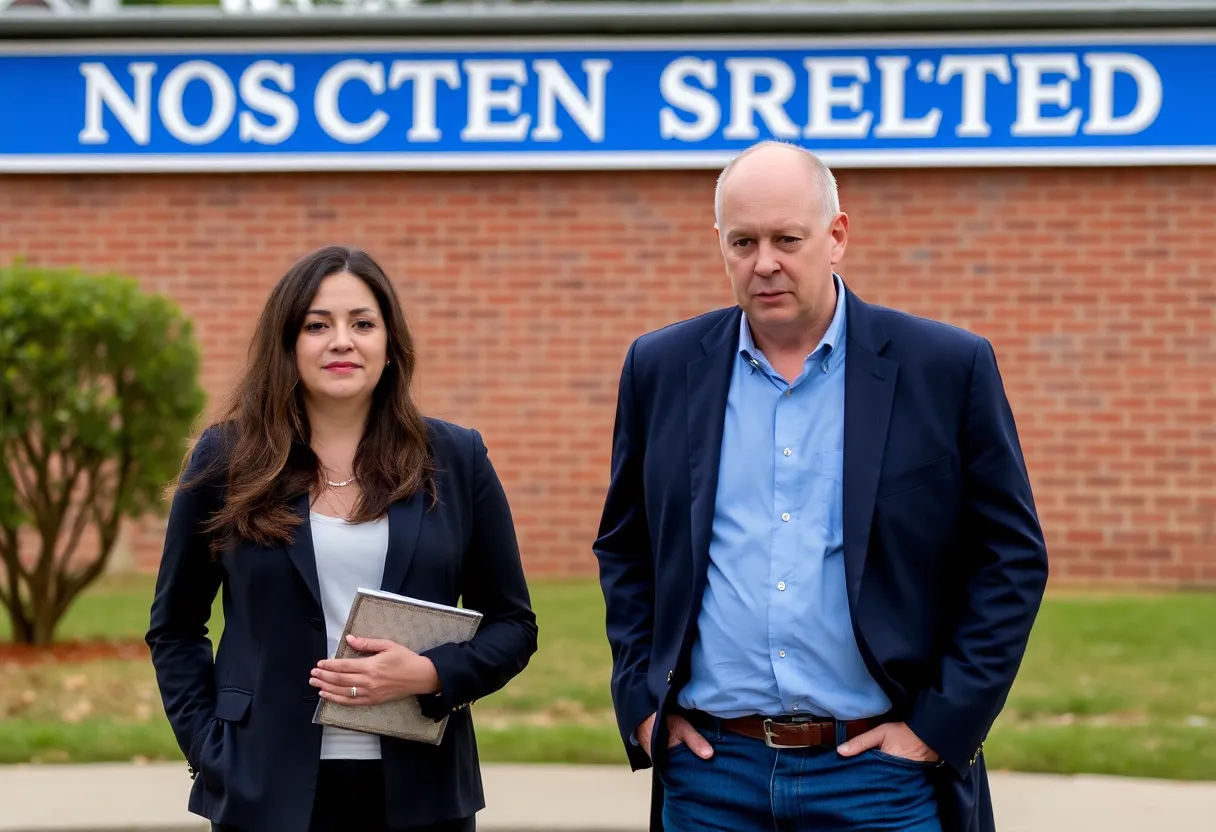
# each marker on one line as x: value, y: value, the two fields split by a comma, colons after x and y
x: 244, y: 720
x: 945, y: 561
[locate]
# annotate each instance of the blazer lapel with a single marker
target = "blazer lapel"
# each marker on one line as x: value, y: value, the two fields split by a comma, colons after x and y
x: 404, y: 524
x: 708, y: 382
x: 869, y: 389
x: 301, y: 551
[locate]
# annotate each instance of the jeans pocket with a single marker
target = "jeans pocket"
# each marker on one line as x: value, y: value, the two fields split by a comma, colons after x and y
x: 922, y: 765
x: 674, y: 754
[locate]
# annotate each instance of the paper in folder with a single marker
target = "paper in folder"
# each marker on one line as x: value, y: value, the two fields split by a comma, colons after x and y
x: 418, y: 625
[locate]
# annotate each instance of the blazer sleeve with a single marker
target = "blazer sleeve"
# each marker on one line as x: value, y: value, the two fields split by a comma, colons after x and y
x: 1005, y: 583
x: 495, y: 586
x: 186, y: 586
x: 626, y: 566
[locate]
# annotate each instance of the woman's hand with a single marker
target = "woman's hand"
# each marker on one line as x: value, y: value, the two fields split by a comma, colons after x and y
x: 391, y: 672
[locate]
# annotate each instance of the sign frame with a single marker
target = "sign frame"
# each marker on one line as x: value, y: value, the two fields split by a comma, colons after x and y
x: 595, y: 160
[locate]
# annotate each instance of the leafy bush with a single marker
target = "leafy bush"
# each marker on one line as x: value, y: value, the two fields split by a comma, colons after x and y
x: 98, y: 390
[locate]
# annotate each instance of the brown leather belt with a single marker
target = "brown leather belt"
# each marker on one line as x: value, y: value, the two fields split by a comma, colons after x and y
x: 796, y: 732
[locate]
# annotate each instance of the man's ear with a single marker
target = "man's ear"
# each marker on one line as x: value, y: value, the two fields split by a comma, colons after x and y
x: 839, y: 231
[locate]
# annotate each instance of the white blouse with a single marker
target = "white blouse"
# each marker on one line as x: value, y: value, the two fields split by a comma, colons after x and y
x: 349, y: 556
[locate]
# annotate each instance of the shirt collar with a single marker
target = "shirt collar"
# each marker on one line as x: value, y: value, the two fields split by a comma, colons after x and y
x: 830, y: 342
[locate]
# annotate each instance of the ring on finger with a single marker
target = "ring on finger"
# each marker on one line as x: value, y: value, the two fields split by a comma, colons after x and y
x: 354, y: 691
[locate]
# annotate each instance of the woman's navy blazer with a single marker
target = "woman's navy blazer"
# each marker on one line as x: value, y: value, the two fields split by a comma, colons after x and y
x: 243, y: 720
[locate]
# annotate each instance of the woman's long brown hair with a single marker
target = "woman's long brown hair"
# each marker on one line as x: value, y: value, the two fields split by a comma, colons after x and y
x: 266, y: 456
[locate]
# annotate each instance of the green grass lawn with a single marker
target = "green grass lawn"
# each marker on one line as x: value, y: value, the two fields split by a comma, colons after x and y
x: 1111, y: 684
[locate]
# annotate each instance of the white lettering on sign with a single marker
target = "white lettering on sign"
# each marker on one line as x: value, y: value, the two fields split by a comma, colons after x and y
x: 975, y: 70
x: 101, y: 90
x: 679, y: 94
x: 265, y: 86
x: 325, y: 101
x: 134, y: 112
x: 1102, y: 120
x: 484, y: 100
x: 223, y: 102
x: 276, y: 104
x: 1033, y: 93
x: 746, y: 103
x: 425, y: 76
x: 825, y: 96
x: 513, y: 100
x: 554, y: 86
x: 758, y: 92
x: 895, y: 123
x: 587, y: 110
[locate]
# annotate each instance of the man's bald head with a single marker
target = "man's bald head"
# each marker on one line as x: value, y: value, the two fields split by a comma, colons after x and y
x: 782, y: 159
x: 781, y: 232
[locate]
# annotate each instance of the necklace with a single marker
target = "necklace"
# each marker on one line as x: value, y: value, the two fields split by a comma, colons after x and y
x: 333, y: 484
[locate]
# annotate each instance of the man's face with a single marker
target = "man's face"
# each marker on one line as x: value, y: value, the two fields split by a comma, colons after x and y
x: 777, y: 244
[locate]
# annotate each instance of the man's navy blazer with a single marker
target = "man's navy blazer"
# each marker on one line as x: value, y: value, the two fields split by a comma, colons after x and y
x: 244, y: 720
x: 945, y: 561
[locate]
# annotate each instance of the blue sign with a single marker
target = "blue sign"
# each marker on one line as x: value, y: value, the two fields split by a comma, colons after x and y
x: 422, y: 105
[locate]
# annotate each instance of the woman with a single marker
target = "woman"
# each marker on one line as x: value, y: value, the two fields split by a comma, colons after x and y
x: 323, y: 477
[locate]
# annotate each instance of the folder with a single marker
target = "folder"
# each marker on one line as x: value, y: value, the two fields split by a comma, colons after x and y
x: 413, y: 623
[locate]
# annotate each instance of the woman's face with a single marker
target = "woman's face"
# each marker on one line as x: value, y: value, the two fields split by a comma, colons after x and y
x: 342, y: 346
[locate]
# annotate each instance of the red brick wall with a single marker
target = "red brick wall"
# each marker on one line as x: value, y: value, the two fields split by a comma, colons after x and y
x: 1098, y: 288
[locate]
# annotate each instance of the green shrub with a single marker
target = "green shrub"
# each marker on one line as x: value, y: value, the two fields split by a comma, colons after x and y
x: 98, y: 391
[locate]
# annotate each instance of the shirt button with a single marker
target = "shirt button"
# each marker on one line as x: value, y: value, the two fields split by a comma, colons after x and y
x: 787, y: 452
x: 787, y: 392
x: 782, y: 654
x: 781, y: 586
x: 786, y: 517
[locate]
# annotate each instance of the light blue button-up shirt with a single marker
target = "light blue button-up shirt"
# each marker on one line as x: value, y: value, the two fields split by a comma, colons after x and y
x: 775, y: 633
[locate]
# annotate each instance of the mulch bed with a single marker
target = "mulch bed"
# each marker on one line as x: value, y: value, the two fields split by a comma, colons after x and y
x: 74, y: 652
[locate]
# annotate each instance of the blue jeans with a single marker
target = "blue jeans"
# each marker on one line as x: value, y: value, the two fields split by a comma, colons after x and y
x: 747, y: 785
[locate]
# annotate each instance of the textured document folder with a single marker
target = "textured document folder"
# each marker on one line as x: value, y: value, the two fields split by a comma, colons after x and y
x: 418, y: 625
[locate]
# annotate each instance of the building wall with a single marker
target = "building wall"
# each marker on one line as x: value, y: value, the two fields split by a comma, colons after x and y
x: 1097, y: 287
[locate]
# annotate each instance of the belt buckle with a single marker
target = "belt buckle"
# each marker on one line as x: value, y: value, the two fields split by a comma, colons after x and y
x: 768, y: 738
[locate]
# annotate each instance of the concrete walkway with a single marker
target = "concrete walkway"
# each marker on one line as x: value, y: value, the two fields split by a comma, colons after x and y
x: 534, y: 798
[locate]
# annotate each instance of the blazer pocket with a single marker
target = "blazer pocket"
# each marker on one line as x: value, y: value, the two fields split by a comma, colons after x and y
x: 231, y: 704
x: 231, y: 707
x: 197, y: 742
x: 938, y: 469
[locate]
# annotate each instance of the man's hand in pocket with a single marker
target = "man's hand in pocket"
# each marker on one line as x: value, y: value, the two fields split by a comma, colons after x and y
x: 678, y: 731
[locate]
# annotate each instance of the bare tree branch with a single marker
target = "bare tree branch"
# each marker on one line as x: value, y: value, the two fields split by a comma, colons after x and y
x: 12, y: 561
x: 70, y: 478
x: 38, y: 462
x: 85, y: 512
x: 25, y: 488
x: 9, y: 553
x: 47, y: 521
x: 10, y: 557
x: 70, y: 584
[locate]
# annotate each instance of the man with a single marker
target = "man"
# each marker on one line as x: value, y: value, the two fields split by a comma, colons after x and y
x: 819, y: 549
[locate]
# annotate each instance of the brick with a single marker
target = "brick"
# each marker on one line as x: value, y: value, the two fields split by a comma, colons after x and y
x: 1097, y: 288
